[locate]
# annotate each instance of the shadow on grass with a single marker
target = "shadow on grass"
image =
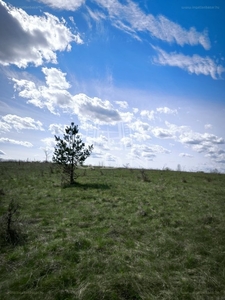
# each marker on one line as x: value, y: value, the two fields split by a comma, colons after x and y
x: 86, y: 186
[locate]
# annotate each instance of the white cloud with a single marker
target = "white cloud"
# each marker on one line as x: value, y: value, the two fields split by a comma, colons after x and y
x: 177, y: 129
x: 87, y: 125
x: 208, y: 126
x: 122, y: 104
x: 54, y: 96
x: 126, y: 117
x: 154, y: 149
x: 215, y: 153
x: 49, y: 142
x: 135, y: 110
x: 110, y: 157
x: 2, y: 152
x: 32, y: 39
x: 4, y: 127
x: 134, y: 154
x: 147, y: 151
x: 65, y: 4
x: 126, y: 141
x: 170, y: 132
x: 55, y: 78
x: 101, y: 111
x: 100, y: 142
x: 20, y: 123
x: 185, y: 155
x: 138, y: 136
x: 56, y: 128
x: 15, y: 142
x: 166, y: 110
x: 148, y: 156
x: 131, y: 19
x: 162, y: 133
x: 96, y: 15
x: 193, y: 64
x: 197, y: 138
x: 139, y: 126
x: 150, y: 114
x: 97, y: 154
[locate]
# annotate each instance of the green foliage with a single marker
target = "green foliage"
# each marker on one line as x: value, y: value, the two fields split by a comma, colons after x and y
x: 70, y: 151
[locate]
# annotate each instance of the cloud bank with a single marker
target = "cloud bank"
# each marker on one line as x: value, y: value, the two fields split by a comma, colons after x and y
x: 32, y: 39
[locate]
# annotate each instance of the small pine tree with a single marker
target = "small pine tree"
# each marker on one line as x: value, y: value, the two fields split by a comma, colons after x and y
x: 70, y: 151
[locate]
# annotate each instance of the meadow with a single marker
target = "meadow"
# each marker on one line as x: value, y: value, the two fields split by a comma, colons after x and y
x: 116, y: 234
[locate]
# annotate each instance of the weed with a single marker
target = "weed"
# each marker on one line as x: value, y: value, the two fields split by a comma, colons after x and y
x: 10, y: 231
x: 144, y: 176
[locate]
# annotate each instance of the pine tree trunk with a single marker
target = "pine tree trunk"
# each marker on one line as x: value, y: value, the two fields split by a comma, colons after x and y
x: 72, y: 174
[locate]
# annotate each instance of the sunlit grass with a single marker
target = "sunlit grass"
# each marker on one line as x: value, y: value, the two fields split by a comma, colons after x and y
x: 114, y: 235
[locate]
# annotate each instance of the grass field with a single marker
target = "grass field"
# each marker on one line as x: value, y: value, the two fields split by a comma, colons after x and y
x: 112, y: 236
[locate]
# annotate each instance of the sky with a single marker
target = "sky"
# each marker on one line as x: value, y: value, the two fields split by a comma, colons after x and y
x: 143, y: 80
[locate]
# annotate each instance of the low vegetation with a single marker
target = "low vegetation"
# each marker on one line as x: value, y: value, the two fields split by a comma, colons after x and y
x: 115, y: 234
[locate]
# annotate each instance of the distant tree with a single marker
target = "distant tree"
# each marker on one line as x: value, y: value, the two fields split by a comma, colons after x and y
x: 47, y: 153
x: 70, y: 151
x: 179, y: 168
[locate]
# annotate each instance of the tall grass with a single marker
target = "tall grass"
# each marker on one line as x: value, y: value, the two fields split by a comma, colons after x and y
x: 116, y: 234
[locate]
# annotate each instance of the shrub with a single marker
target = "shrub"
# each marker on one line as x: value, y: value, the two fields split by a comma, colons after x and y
x: 10, y: 229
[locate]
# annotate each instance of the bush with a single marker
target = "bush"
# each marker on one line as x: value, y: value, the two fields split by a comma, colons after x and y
x: 10, y: 229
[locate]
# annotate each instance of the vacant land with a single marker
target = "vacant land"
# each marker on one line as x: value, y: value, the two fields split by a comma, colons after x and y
x: 115, y: 235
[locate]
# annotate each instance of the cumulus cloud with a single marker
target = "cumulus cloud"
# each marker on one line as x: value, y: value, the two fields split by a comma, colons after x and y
x: 162, y: 133
x: 197, y: 138
x: 208, y: 126
x: 32, y: 39
x: 110, y: 157
x: 166, y: 110
x: 55, y: 78
x: 185, y: 155
x: 126, y: 141
x: 54, y: 96
x: 100, y: 142
x: 122, y: 104
x: 20, y: 123
x: 96, y: 109
x: 138, y: 136
x: 193, y: 64
x: 126, y: 117
x: 97, y: 154
x: 177, y: 129
x: 4, y: 127
x: 135, y: 110
x: 215, y: 153
x: 154, y: 149
x: 205, y: 143
x: 171, y: 131
x: 139, y: 126
x: 66, y: 4
x: 15, y: 142
x: 147, y: 151
x: 131, y: 19
x: 56, y: 129
x: 87, y: 125
x: 150, y: 114
x: 49, y: 142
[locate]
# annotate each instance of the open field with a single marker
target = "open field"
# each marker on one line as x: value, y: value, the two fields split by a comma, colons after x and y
x: 113, y: 235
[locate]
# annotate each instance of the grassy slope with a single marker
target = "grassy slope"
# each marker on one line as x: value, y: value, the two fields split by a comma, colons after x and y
x: 114, y: 236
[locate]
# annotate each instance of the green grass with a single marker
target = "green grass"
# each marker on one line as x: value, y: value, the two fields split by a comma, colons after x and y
x: 112, y: 235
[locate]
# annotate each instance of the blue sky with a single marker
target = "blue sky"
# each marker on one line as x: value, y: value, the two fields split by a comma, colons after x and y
x: 143, y: 80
